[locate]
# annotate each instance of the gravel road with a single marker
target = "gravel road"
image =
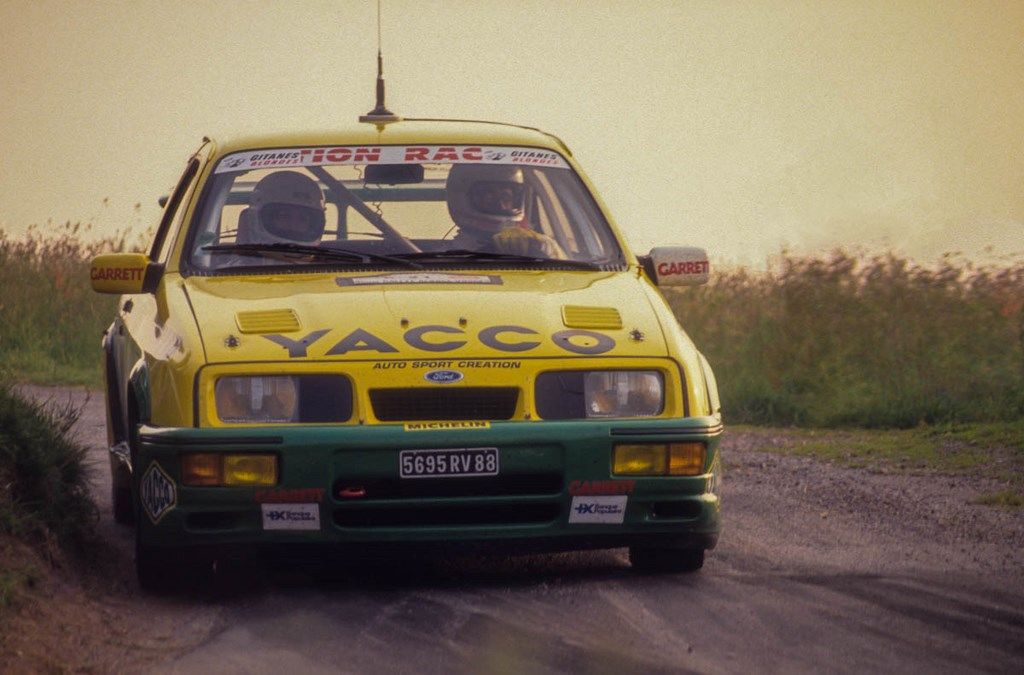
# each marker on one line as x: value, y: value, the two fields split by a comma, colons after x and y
x: 819, y: 568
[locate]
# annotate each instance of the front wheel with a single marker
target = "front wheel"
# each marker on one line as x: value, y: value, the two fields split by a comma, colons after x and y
x: 665, y: 560
x: 155, y: 572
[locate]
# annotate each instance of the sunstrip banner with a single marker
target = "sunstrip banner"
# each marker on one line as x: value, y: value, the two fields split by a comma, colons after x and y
x: 390, y: 154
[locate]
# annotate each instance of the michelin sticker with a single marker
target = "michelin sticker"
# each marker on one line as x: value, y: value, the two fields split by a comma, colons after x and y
x: 603, y: 509
x: 291, y: 516
x: 157, y: 493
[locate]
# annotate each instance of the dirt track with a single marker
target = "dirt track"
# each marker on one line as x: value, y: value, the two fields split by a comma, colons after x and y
x: 819, y: 568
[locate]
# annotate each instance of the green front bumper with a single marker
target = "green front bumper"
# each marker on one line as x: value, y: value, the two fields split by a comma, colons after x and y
x: 542, y: 466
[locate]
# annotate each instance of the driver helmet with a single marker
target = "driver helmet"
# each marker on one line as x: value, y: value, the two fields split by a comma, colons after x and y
x: 486, y: 197
x: 289, y: 208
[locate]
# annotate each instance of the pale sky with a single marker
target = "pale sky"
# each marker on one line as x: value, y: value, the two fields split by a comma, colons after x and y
x: 739, y: 126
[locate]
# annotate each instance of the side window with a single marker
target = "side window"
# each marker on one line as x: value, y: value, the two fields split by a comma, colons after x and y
x: 172, y: 213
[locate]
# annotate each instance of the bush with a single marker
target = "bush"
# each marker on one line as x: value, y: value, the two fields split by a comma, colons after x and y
x: 845, y: 340
x: 44, y: 482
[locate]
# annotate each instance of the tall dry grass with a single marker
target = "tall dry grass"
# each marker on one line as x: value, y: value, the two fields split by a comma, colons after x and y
x: 50, y: 320
x: 838, y: 340
x: 859, y: 340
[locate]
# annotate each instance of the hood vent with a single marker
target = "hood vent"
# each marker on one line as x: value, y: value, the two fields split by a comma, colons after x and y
x: 268, y: 321
x: 576, y: 316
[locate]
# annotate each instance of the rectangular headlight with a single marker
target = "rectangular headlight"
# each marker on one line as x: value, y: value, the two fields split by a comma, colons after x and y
x: 257, y: 398
x: 216, y: 469
x: 280, y: 399
x: 623, y: 393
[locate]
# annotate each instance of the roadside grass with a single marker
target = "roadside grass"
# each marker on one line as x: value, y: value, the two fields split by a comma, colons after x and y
x: 44, y: 477
x: 16, y: 577
x: 834, y: 341
x: 1005, y: 498
x: 991, y: 450
x: 50, y: 319
x: 851, y: 340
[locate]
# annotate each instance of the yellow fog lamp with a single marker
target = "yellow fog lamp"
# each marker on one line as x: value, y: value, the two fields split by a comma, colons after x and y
x: 205, y: 469
x: 202, y: 469
x: 642, y: 459
x: 250, y: 469
x: 658, y: 459
x: 686, y: 459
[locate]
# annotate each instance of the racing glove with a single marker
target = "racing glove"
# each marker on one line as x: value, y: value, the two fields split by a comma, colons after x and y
x: 521, y: 241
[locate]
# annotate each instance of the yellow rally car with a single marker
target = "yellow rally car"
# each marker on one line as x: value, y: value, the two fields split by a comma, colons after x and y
x: 420, y: 333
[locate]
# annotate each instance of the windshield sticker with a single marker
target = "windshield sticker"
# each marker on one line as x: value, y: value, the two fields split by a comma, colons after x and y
x: 446, y: 426
x: 420, y: 278
x: 390, y: 154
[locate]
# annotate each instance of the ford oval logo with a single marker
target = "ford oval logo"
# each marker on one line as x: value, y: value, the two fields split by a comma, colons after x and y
x: 443, y: 376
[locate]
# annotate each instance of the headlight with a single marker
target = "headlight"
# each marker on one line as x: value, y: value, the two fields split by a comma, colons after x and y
x: 257, y: 399
x: 579, y: 394
x: 278, y: 399
x: 622, y: 393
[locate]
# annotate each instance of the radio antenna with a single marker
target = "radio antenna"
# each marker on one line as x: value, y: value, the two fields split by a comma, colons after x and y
x: 380, y: 113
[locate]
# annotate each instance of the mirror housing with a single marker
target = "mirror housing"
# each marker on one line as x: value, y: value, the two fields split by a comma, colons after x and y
x: 124, y: 273
x: 393, y: 174
x: 677, y: 265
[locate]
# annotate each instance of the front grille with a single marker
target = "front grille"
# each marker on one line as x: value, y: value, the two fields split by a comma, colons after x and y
x: 447, y: 515
x: 441, y: 404
x: 496, y: 486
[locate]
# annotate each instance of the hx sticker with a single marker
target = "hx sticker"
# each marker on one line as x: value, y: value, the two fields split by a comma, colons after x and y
x: 604, y: 509
x: 291, y: 516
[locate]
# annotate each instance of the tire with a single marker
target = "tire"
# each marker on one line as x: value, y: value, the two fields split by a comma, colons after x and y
x: 155, y: 573
x: 124, y: 512
x: 649, y: 560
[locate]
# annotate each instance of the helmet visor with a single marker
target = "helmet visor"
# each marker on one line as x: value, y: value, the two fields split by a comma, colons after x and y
x: 292, y: 221
x: 497, y: 197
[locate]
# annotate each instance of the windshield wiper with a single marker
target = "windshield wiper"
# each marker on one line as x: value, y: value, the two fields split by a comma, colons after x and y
x: 466, y: 254
x: 287, y: 250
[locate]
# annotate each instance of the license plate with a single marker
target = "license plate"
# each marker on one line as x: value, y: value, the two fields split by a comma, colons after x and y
x: 447, y: 463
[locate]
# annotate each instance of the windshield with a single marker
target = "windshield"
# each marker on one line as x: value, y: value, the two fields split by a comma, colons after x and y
x: 393, y: 206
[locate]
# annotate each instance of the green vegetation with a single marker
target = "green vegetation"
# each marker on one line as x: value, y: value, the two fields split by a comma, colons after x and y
x: 833, y: 341
x: 44, y: 490
x: 856, y: 341
x: 991, y: 450
x: 14, y: 580
x: 1004, y: 498
x: 50, y: 320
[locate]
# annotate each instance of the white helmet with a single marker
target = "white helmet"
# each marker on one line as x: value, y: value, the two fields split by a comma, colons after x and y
x: 486, y: 197
x: 288, y: 207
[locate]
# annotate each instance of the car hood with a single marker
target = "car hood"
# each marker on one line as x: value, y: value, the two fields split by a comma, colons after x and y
x: 398, y: 315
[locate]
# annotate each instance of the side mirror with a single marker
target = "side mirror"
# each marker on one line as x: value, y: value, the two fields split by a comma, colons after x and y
x: 677, y: 265
x: 124, y: 273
